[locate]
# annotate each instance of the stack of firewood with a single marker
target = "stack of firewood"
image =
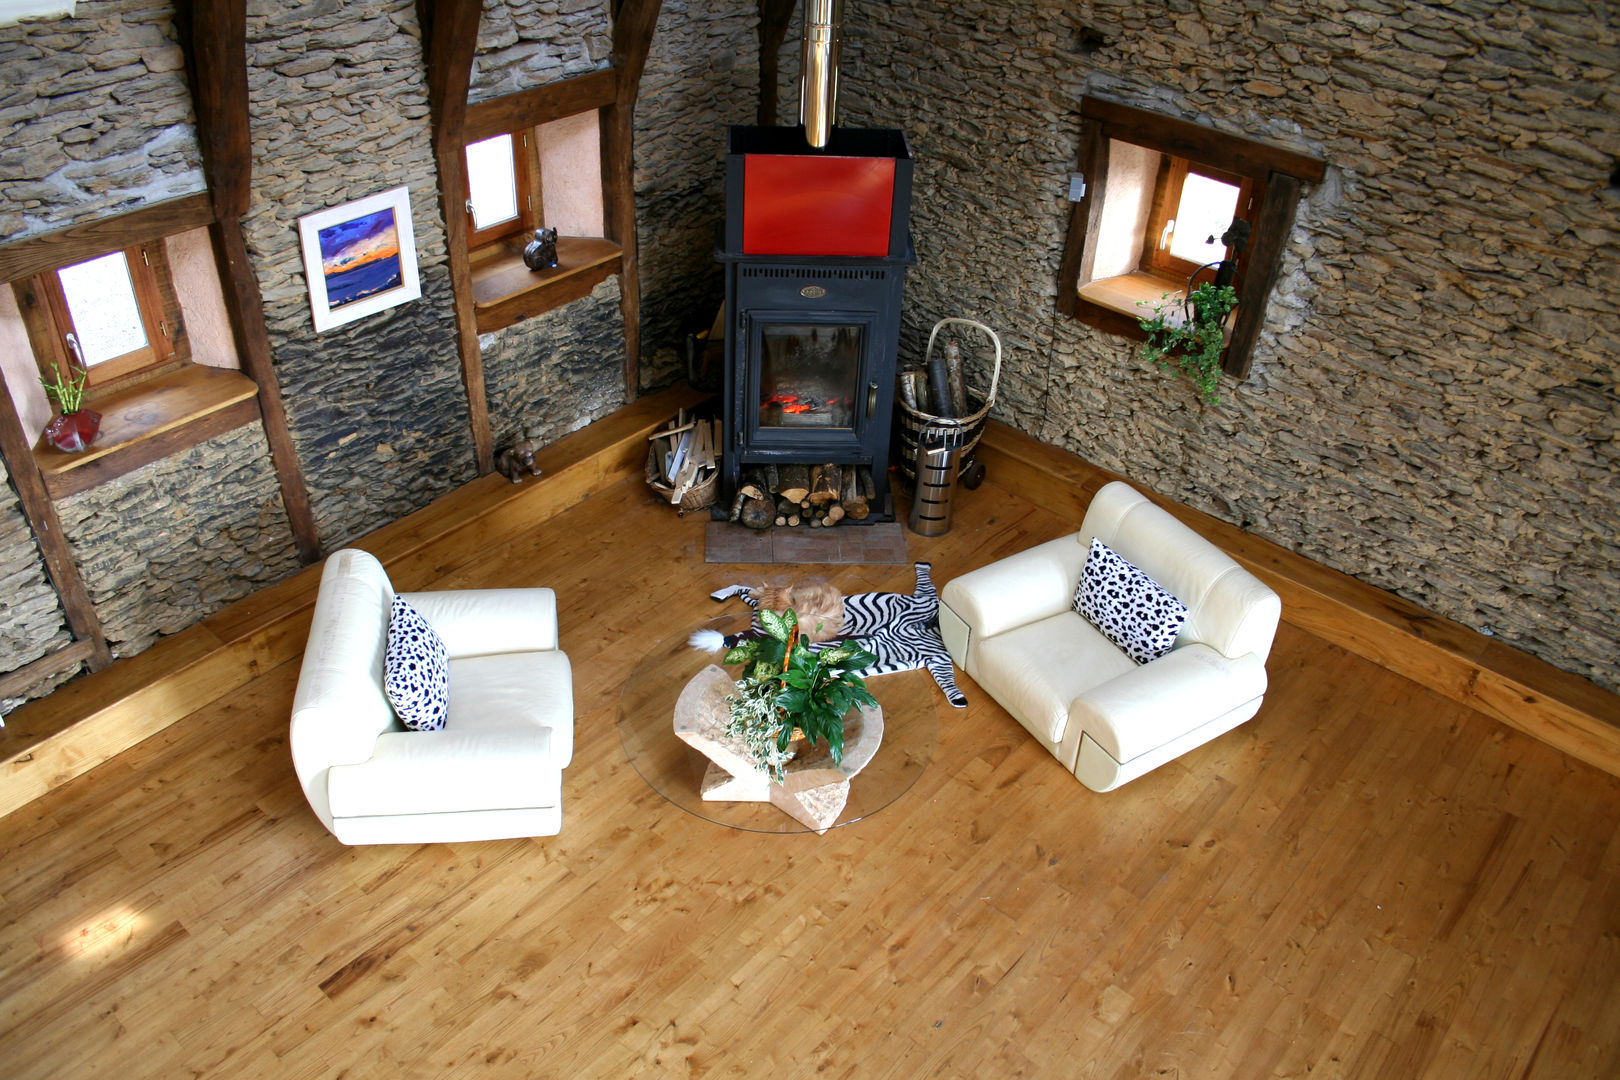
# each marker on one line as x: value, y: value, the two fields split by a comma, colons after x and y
x: 819, y: 496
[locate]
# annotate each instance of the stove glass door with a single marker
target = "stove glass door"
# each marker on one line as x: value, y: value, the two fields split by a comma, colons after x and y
x: 809, y: 374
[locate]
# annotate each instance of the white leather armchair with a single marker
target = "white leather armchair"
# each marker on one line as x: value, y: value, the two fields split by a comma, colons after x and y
x: 1011, y: 626
x: 493, y: 772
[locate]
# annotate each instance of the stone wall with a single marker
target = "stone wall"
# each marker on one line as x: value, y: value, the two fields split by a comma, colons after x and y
x: 32, y: 622
x: 1433, y: 404
x: 338, y: 101
x: 555, y: 373
x: 702, y: 74
x: 171, y: 543
x: 96, y: 114
x: 525, y: 44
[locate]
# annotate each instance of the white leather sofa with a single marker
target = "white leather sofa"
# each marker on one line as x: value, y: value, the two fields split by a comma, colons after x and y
x: 1011, y: 626
x: 493, y: 772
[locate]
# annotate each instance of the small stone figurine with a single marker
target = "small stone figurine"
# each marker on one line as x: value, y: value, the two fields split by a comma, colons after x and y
x: 541, y: 253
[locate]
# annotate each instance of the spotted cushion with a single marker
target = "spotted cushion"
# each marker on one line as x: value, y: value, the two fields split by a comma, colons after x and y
x: 1130, y: 608
x: 416, y: 670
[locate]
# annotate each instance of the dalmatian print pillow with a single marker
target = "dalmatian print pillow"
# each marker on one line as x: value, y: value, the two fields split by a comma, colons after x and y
x: 1130, y: 608
x: 416, y: 670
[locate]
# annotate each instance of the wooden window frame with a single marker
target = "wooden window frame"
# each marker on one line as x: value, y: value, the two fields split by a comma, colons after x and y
x: 155, y: 299
x: 526, y: 176
x: 1172, y: 180
x: 1277, y: 176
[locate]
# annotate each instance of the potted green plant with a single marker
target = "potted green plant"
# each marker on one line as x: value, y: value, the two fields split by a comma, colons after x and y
x: 1190, y: 341
x: 74, y: 427
x: 789, y: 690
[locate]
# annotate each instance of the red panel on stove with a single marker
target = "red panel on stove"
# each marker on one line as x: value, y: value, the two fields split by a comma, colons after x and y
x: 794, y: 204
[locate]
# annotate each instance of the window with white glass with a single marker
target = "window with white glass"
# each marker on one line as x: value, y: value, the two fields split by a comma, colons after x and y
x: 107, y: 315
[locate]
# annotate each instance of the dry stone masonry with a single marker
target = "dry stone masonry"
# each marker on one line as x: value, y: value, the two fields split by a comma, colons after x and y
x: 702, y: 74
x: 338, y: 97
x: 175, y: 541
x: 96, y: 116
x: 550, y: 375
x: 32, y: 623
x: 1433, y: 405
x: 524, y: 45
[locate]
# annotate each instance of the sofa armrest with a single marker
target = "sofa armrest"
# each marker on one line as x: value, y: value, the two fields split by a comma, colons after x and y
x: 1023, y: 588
x: 428, y: 772
x: 480, y: 622
x: 1149, y: 706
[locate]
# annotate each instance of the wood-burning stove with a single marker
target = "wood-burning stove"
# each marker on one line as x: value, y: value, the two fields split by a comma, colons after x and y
x: 815, y: 248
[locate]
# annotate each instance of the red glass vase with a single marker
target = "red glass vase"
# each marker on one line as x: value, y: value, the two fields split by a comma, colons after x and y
x: 74, y: 431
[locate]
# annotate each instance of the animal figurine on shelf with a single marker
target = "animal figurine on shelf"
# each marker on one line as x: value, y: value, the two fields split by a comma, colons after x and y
x: 541, y: 252
x: 517, y: 460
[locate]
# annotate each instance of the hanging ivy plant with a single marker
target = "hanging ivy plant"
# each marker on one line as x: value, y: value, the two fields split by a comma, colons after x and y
x: 1191, y: 345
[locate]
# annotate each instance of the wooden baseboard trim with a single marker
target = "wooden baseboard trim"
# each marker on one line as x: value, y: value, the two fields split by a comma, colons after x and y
x: 1563, y: 710
x: 48, y: 742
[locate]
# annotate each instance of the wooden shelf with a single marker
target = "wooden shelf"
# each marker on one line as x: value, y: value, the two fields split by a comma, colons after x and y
x: 149, y: 421
x: 506, y: 291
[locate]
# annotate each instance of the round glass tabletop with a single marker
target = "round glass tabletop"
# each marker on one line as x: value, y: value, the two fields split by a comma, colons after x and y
x: 675, y: 770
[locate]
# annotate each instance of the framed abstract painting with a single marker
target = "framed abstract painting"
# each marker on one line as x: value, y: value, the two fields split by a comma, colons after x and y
x: 360, y: 258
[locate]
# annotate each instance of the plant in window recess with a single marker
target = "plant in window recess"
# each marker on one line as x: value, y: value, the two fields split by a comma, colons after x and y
x: 1187, y: 337
x: 789, y: 689
x: 75, y: 427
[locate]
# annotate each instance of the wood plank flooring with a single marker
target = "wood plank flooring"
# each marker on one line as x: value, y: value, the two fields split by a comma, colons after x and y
x: 1366, y: 880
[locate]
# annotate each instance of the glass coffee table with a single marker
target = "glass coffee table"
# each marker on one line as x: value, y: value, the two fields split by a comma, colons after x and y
x: 675, y: 770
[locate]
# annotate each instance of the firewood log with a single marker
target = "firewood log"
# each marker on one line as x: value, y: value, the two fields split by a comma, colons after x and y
x: 854, y: 503
x: 753, y: 485
x: 825, y: 480
x: 773, y: 479
x: 793, y: 482
x: 939, y: 387
x: 835, y: 513
x: 757, y: 513
x: 955, y: 378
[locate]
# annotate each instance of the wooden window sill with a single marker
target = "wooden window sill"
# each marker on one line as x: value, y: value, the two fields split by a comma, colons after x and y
x: 150, y: 421
x: 505, y: 291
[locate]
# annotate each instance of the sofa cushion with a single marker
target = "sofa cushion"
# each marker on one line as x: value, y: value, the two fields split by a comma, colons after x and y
x: 1130, y: 608
x: 416, y: 670
x: 507, y: 690
x: 1037, y: 670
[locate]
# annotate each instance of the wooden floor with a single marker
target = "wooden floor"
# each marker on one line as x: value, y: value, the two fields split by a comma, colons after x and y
x: 1365, y: 880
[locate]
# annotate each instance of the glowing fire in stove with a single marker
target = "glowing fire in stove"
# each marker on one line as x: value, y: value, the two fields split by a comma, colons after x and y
x: 793, y: 403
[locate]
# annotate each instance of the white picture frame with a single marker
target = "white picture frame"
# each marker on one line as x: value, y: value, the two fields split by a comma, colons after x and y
x: 360, y: 258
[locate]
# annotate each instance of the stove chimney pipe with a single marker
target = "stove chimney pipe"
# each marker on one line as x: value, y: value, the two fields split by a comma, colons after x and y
x: 818, y: 99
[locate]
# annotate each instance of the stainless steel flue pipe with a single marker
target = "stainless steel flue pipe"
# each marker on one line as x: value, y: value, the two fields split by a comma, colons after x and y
x: 818, y: 100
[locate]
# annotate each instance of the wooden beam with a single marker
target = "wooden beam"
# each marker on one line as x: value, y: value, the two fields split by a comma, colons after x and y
x: 774, y: 17
x: 540, y: 105
x: 17, y: 683
x: 63, y: 247
x: 1563, y: 710
x: 245, y: 305
x: 53, y: 546
x: 451, y: 38
x: 633, y: 25
x: 1272, y: 228
x: 214, y: 38
x: 1208, y: 145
